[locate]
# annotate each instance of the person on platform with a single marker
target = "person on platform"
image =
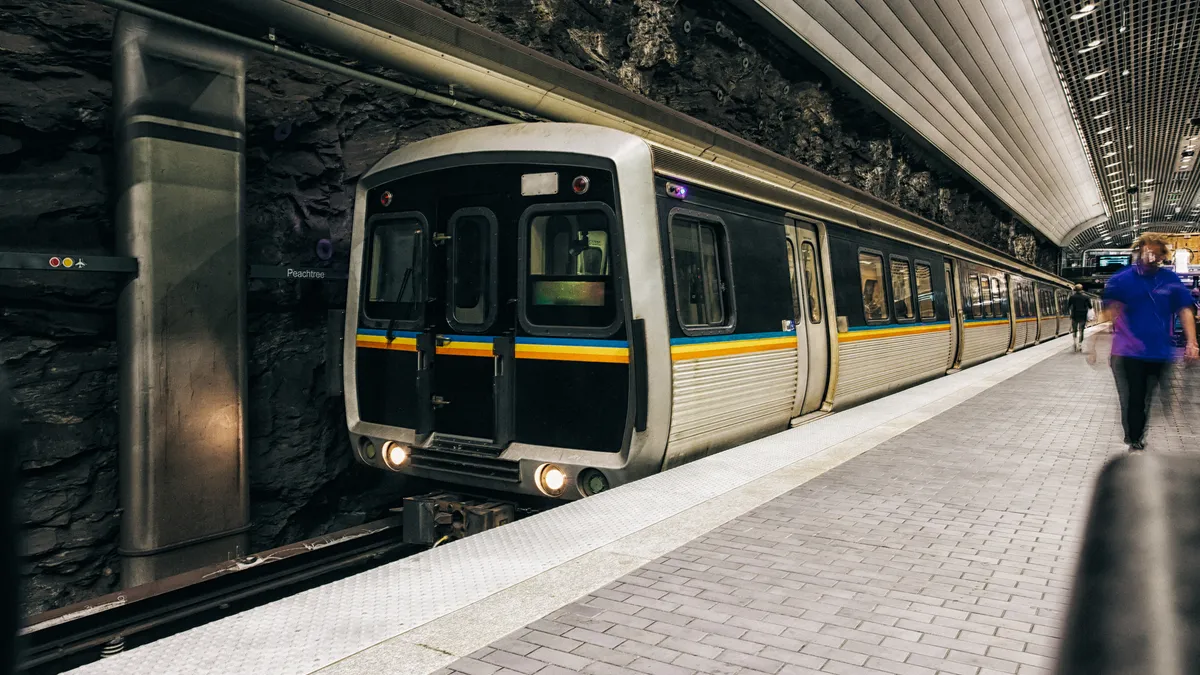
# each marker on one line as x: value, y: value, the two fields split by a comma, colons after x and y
x: 1079, y: 305
x: 1142, y: 301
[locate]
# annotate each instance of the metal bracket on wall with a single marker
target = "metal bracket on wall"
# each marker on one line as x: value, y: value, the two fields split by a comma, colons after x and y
x: 67, y: 262
x: 290, y: 273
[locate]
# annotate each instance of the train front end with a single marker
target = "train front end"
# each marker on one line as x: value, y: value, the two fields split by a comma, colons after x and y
x: 495, y: 335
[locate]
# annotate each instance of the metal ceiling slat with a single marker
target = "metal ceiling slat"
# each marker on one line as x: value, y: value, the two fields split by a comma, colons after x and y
x: 1018, y: 102
x: 891, y: 92
x: 996, y: 137
x: 969, y: 83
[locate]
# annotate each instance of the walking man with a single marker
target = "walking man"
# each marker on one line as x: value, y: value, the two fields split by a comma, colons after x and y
x: 1142, y: 301
x: 1079, y: 305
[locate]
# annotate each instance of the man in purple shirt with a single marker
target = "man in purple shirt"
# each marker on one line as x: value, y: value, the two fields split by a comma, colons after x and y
x: 1142, y: 301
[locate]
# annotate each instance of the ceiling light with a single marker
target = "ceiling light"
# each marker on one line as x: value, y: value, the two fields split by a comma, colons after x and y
x: 1148, y: 180
x: 1102, y: 115
x: 1125, y: 72
x: 1111, y: 154
x: 1088, y: 49
x: 1115, y: 173
x: 1084, y: 11
x: 1105, y: 130
x: 1109, y: 166
x: 1096, y: 74
x: 1099, y: 96
x: 1108, y: 142
x: 1130, y: 146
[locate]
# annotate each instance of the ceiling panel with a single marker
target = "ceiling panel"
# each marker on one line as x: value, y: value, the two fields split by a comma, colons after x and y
x: 976, y: 79
x: 1131, y: 69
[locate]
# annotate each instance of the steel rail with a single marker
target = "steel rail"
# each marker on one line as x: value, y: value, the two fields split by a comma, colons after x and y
x: 70, y: 636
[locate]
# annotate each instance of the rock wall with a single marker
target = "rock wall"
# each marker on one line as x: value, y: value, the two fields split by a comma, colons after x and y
x: 310, y: 135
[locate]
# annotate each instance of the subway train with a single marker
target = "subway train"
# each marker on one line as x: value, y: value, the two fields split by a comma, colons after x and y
x: 555, y: 309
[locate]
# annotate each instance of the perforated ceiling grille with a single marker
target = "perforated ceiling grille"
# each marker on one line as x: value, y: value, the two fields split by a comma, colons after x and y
x: 1131, y: 69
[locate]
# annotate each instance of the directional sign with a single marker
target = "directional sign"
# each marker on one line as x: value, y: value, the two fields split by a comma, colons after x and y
x: 58, y: 262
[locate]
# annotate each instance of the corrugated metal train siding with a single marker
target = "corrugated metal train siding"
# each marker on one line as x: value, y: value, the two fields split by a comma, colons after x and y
x: 1049, y: 328
x: 866, y: 366
x: 981, y: 342
x: 722, y: 399
x: 1026, y: 334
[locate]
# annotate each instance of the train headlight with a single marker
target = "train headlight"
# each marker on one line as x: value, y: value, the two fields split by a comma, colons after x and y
x: 394, y: 455
x: 367, y: 448
x: 551, y: 480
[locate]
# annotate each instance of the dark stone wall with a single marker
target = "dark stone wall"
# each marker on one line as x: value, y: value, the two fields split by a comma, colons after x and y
x: 310, y: 135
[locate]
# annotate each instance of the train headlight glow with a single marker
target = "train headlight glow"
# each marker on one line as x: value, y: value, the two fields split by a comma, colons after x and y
x: 394, y: 454
x: 551, y: 480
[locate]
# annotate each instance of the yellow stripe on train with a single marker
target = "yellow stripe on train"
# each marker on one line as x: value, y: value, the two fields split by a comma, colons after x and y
x: 858, y: 335
x: 979, y: 324
x: 573, y: 353
x: 704, y: 350
x: 405, y: 344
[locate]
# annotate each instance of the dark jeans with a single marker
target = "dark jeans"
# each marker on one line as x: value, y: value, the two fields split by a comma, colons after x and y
x: 1136, y: 382
x: 1077, y: 326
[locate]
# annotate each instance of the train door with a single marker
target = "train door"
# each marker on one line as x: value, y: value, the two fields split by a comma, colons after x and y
x: 955, y: 317
x: 808, y: 311
x: 1010, y: 291
x: 461, y: 341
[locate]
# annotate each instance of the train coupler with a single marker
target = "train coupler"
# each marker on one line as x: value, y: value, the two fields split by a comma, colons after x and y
x: 441, y: 516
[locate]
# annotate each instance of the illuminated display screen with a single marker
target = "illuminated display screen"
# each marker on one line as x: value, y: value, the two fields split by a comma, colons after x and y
x: 569, y: 293
x: 1106, y: 260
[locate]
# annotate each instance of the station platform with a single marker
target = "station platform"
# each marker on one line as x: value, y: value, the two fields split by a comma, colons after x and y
x: 931, y: 531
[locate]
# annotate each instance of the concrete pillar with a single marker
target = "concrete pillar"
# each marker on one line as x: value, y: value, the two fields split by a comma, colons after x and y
x: 179, y: 113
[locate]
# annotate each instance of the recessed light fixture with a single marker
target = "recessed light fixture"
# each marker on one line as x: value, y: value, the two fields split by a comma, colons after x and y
x: 1088, y: 49
x: 1109, y: 142
x: 1125, y: 72
x: 1109, y: 166
x: 1148, y: 180
x: 1097, y: 97
x: 1130, y: 146
x: 1111, y: 154
x: 1084, y: 11
x: 1115, y: 173
x: 1102, y: 115
x: 1105, y: 130
x: 1098, y: 73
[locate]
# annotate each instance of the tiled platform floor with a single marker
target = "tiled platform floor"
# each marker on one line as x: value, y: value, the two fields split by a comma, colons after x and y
x: 948, y: 549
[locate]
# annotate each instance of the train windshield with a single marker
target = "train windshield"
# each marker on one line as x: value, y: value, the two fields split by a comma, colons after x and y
x: 396, y: 282
x: 570, y: 279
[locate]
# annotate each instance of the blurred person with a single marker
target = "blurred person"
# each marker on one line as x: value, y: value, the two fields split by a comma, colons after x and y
x: 1142, y: 302
x: 9, y: 612
x: 1079, y: 305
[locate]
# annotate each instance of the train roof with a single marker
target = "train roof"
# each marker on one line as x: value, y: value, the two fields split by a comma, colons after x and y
x: 850, y: 207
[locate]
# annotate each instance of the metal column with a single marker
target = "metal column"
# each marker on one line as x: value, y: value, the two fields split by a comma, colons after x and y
x: 179, y: 103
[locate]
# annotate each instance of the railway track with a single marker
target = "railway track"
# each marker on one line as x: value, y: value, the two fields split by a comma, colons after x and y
x: 71, y: 636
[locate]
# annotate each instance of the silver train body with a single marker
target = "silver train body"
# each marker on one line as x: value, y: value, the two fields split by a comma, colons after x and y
x: 556, y: 309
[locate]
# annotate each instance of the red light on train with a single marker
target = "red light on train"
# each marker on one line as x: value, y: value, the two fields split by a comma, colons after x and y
x: 581, y: 184
x: 55, y: 262
x: 386, y: 199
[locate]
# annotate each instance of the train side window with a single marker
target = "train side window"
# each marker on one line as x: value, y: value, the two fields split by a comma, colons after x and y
x: 812, y: 284
x: 976, y: 297
x: 925, y: 292
x: 791, y: 259
x: 700, y: 257
x: 986, y: 303
x: 997, y: 298
x: 396, y: 268
x: 902, y: 295
x: 472, y: 269
x: 567, y: 271
x: 870, y: 273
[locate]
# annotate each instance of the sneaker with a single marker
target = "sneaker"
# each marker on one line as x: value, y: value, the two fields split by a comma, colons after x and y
x: 1137, y: 447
